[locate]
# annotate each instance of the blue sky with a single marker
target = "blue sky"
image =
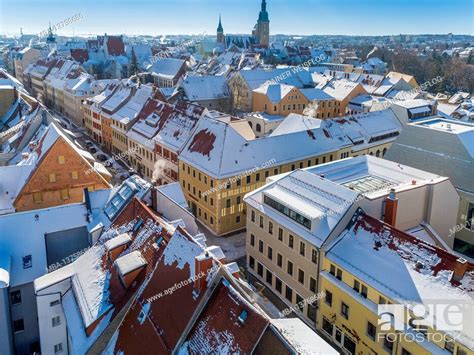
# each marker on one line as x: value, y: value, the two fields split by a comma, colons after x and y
x: 357, y: 17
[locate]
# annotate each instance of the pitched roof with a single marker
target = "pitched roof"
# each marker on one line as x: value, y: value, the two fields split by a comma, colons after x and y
x: 98, y: 293
x: 340, y: 89
x: 409, y: 270
x: 115, y: 45
x: 207, y: 87
x: 151, y: 316
x: 229, y: 324
x: 167, y: 67
x: 274, y: 92
x: 219, y: 150
x: 80, y: 55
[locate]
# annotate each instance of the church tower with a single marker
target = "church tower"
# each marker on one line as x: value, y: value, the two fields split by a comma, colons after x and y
x: 220, y: 32
x: 263, y: 26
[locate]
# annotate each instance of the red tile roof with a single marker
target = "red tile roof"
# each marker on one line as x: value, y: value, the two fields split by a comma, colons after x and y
x: 80, y: 55
x: 134, y: 211
x: 115, y: 45
x: 203, y: 142
x: 219, y: 329
x: 168, y: 315
x: 393, y: 238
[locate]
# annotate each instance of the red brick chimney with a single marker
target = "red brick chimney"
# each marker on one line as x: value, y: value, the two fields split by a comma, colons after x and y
x: 203, y: 263
x: 460, y: 269
x: 391, y: 206
x: 154, y: 197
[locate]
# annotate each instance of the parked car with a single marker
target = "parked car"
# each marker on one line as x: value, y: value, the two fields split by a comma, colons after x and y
x: 89, y: 144
x: 102, y: 157
x: 92, y: 150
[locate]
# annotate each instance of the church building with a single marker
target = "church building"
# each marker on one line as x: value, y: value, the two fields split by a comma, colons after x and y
x: 260, y: 33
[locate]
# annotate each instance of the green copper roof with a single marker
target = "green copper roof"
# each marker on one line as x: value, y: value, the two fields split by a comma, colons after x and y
x: 263, y: 15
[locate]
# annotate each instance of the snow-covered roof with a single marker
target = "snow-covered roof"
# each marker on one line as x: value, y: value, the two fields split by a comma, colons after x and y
x: 257, y: 77
x: 130, y: 262
x: 340, y: 89
x: 321, y: 201
x: 372, y: 176
x: 119, y: 97
x: 219, y: 150
x: 174, y: 192
x: 316, y: 94
x: 97, y: 294
x: 17, y: 176
x: 408, y: 270
x: 208, y: 87
x: 121, y: 196
x: 302, y: 338
x: 229, y: 324
x: 118, y: 241
x: 359, y: 130
x: 167, y: 67
x: 134, y: 105
x: 274, y: 92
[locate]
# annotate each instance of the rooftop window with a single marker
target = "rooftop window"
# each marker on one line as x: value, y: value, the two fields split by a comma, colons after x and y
x: 288, y: 212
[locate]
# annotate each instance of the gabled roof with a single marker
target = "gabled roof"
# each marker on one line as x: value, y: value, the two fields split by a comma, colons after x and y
x: 167, y: 124
x: 152, y: 315
x: 340, y: 89
x: 134, y: 105
x: 97, y: 294
x: 80, y: 55
x: 115, y: 45
x: 121, y: 95
x: 256, y: 77
x: 36, y: 154
x: 207, y: 87
x: 229, y: 324
x: 167, y: 67
x: 274, y: 92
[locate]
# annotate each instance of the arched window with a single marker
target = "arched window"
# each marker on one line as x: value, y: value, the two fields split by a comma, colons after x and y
x: 384, y: 151
x: 377, y: 154
x: 259, y: 128
x: 250, y: 124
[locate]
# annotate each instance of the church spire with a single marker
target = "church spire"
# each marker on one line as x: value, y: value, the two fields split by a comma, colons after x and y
x: 220, y: 28
x: 263, y: 15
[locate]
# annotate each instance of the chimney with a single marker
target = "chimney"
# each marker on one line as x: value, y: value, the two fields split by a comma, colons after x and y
x: 154, y: 197
x: 391, y: 205
x: 234, y: 269
x: 460, y: 269
x: 117, y: 245
x: 129, y: 267
x: 203, y: 263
